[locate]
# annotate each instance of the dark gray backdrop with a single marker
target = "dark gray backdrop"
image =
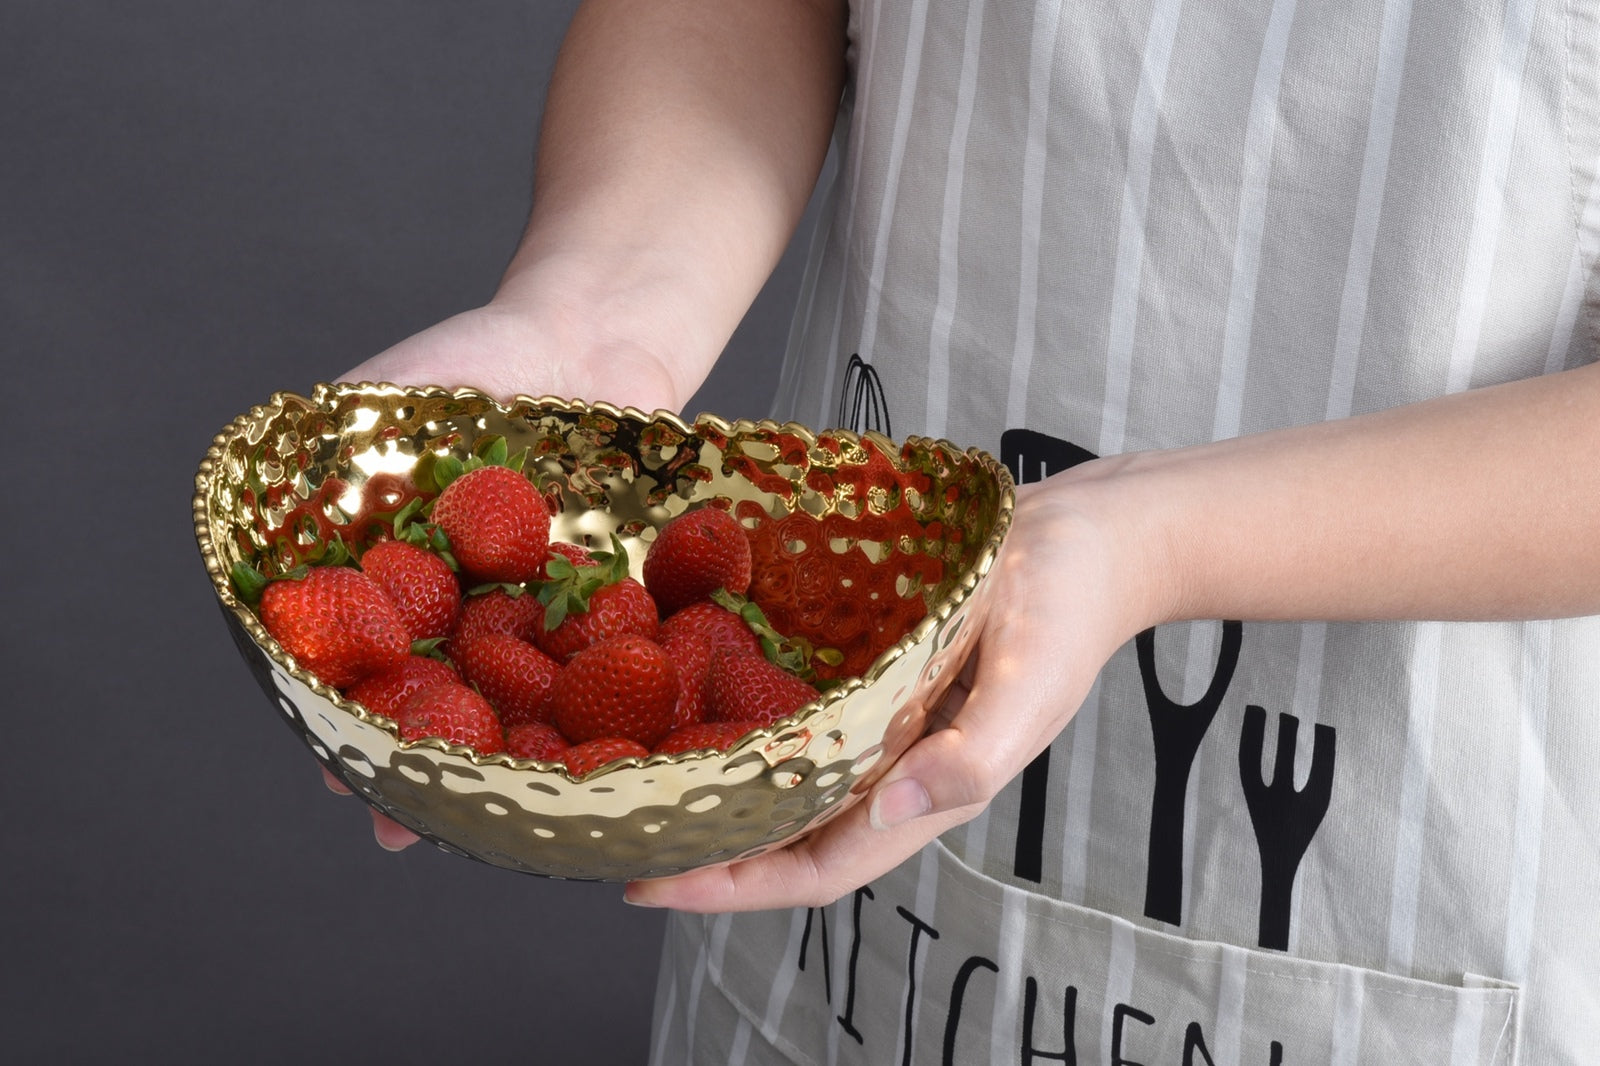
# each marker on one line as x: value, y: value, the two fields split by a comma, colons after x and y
x: 206, y: 202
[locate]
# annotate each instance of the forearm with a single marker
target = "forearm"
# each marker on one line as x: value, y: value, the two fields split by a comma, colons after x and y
x: 679, y: 146
x: 1480, y: 505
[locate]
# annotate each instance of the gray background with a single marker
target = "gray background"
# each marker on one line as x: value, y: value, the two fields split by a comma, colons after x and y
x: 206, y: 202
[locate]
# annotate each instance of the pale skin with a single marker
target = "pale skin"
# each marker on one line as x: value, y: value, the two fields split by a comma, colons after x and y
x: 677, y: 154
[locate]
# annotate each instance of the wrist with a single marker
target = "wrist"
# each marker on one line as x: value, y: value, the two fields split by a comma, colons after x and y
x: 615, y: 324
x: 1109, y: 526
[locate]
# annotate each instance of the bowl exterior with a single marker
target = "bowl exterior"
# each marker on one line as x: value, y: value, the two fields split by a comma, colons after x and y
x: 286, y: 474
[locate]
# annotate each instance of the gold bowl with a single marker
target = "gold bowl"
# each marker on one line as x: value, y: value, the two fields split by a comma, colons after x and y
x: 919, y: 523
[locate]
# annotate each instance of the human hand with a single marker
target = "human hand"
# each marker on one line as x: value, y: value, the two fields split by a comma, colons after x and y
x: 508, y: 348
x: 1070, y: 590
x: 390, y: 834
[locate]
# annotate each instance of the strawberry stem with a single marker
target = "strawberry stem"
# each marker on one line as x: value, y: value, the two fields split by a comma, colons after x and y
x: 794, y: 654
x: 570, y: 587
x: 248, y: 582
x: 509, y: 588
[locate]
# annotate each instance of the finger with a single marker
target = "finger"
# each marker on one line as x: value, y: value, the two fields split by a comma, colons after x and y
x: 390, y: 834
x: 334, y: 784
x: 994, y: 729
x: 814, y: 871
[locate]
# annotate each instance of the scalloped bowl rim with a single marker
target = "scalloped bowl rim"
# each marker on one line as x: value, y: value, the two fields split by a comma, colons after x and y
x: 984, y: 561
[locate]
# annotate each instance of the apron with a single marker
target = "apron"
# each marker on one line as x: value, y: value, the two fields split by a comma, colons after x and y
x: 1059, y: 230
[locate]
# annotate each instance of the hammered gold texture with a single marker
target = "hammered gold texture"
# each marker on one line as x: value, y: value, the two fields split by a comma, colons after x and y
x: 285, y: 474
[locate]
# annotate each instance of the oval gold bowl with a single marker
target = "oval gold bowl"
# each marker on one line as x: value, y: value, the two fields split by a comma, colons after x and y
x: 342, y: 459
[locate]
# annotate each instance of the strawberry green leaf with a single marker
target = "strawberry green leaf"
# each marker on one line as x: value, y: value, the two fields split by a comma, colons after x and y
x: 446, y: 468
x: 794, y: 654
x: 248, y: 582
x: 509, y: 588
x: 492, y: 449
x: 424, y: 474
x: 569, y: 587
x: 333, y: 553
x: 431, y: 648
x: 405, y: 524
x: 555, y: 612
x: 612, y: 564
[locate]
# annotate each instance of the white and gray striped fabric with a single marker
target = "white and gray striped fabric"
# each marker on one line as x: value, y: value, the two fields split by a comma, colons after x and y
x: 1149, y: 224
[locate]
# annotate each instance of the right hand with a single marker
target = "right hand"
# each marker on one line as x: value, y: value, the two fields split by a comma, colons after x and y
x: 507, y: 348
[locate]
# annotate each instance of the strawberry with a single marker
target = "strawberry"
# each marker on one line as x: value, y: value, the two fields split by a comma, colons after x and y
x: 497, y: 611
x: 384, y: 693
x: 691, y: 658
x: 856, y: 601
x: 582, y: 759
x: 622, y: 687
x: 535, y: 740
x: 576, y: 554
x: 614, y: 610
x: 701, y: 736
x: 711, y: 620
x: 584, y: 605
x: 695, y: 554
x: 512, y: 674
x: 452, y: 712
x: 497, y: 523
x: 421, y: 584
x: 749, y: 688
x: 337, y: 623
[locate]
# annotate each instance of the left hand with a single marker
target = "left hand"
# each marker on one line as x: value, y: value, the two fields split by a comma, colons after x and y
x: 1062, y: 606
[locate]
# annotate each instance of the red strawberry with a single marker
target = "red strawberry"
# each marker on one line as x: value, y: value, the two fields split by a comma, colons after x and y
x: 749, y: 688
x: 512, y: 674
x: 691, y: 658
x: 581, y: 759
x: 614, y: 610
x: 622, y: 687
x: 714, y: 736
x: 587, y: 604
x: 384, y: 693
x: 337, y: 623
x: 695, y: 554
x: 498, y: 611
x: 535, y: 740
x: 709, y: 619
x: 421, y: 584
x: 576, y: 554
x: 451, y: 712
x: 497, y: 522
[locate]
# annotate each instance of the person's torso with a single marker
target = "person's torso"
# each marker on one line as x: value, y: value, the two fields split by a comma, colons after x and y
x: 1066, y: 230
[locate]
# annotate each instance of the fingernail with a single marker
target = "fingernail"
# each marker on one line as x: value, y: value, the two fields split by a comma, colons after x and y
x: 628, y: 898
x: 899, y: 803
x: 391, y: 835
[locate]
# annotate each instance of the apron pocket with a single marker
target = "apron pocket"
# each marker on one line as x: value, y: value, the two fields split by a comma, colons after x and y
x: 936, y: 963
